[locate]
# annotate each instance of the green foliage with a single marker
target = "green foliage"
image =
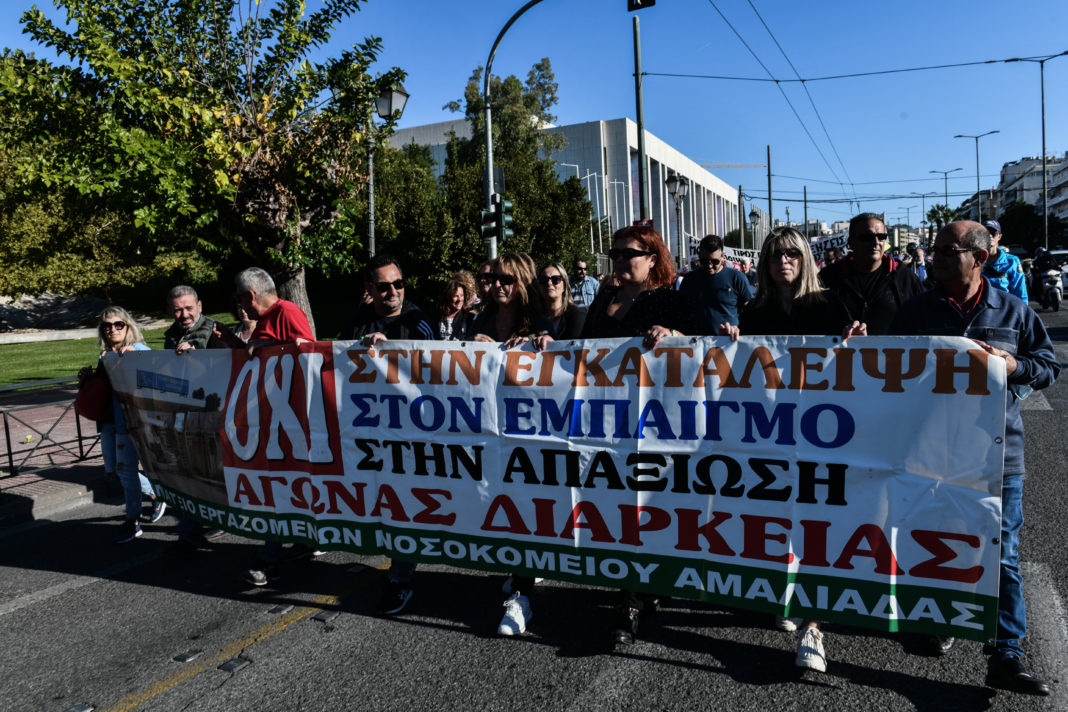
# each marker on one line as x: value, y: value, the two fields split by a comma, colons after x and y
x: 1021, y: 224
x: 204, y: 125
x: 939, y: 215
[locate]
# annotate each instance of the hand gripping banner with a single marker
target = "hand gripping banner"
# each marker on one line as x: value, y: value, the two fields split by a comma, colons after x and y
x: 800, y: 476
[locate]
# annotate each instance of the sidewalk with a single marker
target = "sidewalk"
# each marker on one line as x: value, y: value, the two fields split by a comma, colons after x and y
x: 44, y: 439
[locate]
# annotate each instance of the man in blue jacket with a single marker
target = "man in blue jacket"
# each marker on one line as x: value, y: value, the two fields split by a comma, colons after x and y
x: 1003, y: 269
x: 965, y: 304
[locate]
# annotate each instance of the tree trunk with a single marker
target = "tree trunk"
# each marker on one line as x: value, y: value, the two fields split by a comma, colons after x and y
x: 291, y: 286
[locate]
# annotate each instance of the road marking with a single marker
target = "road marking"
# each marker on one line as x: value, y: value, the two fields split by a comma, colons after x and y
x: 188, y: 672
x: 1036, y: 401
x: 1047, y: 627
x: 74, y: 583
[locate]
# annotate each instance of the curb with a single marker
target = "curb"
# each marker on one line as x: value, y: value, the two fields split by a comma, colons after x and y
x: 45, y: 499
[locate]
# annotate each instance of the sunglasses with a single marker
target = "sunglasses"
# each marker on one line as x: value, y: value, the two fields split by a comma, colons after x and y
x: 711, y: 262
x: 506, y: 280
x: 628, y: 253
x: 948, y: 250
x: 383, y: 287
x: 116, y: 325
x: 878, y: 236
x: 791, y: 253
x: 580, y: 269
x: 545, y: 280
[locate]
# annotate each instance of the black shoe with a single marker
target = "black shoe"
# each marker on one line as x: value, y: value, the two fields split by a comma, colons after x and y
x: 395, y: 597
x: 1009, y: 674
x: 939, y: 645
x: 213, y: 534
x: 129, y: 531
x: 627, y: 626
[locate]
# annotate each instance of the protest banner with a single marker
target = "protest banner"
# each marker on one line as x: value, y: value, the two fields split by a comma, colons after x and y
x: 735, y: 256
x: 823, y: 243
x: 793, y: 475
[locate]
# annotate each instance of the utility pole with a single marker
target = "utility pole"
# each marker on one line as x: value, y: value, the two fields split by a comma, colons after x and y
x: 771, y: 218
x: 643, y: 179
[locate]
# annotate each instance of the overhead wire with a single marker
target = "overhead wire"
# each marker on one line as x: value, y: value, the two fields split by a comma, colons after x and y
x: 811, y: 101
x: 784, y: 95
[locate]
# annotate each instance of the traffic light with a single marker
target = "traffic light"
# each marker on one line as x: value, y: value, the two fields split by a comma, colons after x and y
x: 488, y: 227
x: 633, y: 5
x: 503, y: 217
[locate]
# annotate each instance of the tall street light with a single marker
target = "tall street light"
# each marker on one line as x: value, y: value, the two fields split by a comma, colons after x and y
x: 621, y: 206
x: 390, y: 101
x: 923, y: 211
x: 978, y: 190
x: 1042, y: 80
x: 945, y: 176
x: 678, y: 187
x: 754, y: 218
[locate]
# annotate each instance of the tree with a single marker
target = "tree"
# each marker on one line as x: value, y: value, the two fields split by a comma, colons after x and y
x: 206, y: 123
x: 940, y: 214
x: 1022, y: 224
x: 551, y: 218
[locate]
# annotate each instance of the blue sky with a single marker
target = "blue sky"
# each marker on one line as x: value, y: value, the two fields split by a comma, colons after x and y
x: 895, y: 127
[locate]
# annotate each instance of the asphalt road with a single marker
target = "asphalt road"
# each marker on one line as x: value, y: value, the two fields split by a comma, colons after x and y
x: 86, y: 624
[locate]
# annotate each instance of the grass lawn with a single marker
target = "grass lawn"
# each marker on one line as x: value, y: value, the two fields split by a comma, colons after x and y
x: 21, y: 363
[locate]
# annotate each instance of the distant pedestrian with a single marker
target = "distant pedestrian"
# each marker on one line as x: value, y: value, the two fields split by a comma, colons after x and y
x: 583, y: 286
x: 715, y: 294
x: 1002, y: 268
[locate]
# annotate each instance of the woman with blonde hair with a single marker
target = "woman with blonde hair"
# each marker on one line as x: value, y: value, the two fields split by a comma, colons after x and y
x: 118, y: 333
x: 511, y: 314
x: 558, y: 305
x: 791, y: 301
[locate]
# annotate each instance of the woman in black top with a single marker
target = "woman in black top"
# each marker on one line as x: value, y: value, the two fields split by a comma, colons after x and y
x: 791, y: 301
x: 454, y: 322
x: 560, y: 309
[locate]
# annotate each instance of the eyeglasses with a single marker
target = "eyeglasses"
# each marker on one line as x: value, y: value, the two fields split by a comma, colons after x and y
x: 711, y: 262
x: 554, y: 279
x: 790, y: 253
x: 627, y: 253
x: 506, y: 280
x: 383, y: 287
x: 116, y: 325
x: 877, y: 236
x: 949, y: 250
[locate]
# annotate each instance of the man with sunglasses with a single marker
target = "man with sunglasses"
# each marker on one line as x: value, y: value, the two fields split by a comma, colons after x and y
x: 965, y: 303
x: 583, y: 286
x: 870, y: 284
x: 714, y: 292
x: 387, y: 317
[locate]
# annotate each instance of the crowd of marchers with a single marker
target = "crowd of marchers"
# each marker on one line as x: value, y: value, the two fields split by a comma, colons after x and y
x: 969, y: 287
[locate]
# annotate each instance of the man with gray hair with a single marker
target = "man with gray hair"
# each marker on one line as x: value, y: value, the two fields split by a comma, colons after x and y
x: 278, y: 321
x: 965, y: 303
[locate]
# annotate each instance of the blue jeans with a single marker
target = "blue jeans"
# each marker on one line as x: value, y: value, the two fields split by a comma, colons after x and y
x: 1012, y: 612
x: 121, y: 458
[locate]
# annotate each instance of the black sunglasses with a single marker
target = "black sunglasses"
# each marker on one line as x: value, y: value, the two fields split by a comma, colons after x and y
x: 711, y: 261
x: 506, y: 280
x: 383, y: 287
x: 949, y: 250
x: 880, y: 236
x: 627, y: 253
x: 545, y: 279
x: 791, y: 253
x: 116, y: 325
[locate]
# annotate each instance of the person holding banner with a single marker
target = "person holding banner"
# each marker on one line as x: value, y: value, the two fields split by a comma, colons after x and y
x: 510, y: 314
x: 966, y: 303
x: 642, y: 303
x: 791, y: 301
x: 870, y: 284
x: 716, y: 294
x: 566, y: 317
x: 117, y: 332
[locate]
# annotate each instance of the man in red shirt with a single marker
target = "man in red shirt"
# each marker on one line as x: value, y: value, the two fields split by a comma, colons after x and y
x: 277, y: 321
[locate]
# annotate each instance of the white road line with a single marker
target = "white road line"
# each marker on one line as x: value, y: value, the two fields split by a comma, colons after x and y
x: 1047, y: 630
x: 1035, y: 401
x: 74, y: 583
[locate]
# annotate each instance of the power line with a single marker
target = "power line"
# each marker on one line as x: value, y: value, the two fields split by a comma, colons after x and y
x: 811, y: 101
x: 779, y: 86
x: 848, y: 76
x: 880, y: 182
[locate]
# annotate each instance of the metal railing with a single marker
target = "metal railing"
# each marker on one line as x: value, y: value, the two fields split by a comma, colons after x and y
x: 46, y: 441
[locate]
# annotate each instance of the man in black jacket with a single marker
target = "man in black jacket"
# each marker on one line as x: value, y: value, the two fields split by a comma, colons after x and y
x: 871, y: 285
x: 388, y: 316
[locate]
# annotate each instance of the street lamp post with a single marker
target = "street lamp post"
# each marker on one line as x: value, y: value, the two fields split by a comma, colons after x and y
x: 923, y: 211
x: 621, y: 206
x: 389, y: 101
x: 978, y: 190
x: 1042, y: 81
x: 678, y: 187
x: 945, y: 176
x: 754, y: 218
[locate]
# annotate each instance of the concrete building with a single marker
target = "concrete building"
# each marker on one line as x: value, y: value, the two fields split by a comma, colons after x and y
x: 1058, y: 191
x: 1022, y: 180
x: 604, y: 156
x: 969, y: 209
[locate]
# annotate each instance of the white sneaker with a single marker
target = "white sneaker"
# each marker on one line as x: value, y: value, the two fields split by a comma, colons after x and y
x: 810, y: 651
x: 787, y: 624
x: 517, y: 613
x: 506, y: 587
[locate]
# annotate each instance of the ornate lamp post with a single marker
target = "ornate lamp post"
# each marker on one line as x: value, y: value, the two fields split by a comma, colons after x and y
x: 389, y: 101
x: 678, y: 187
